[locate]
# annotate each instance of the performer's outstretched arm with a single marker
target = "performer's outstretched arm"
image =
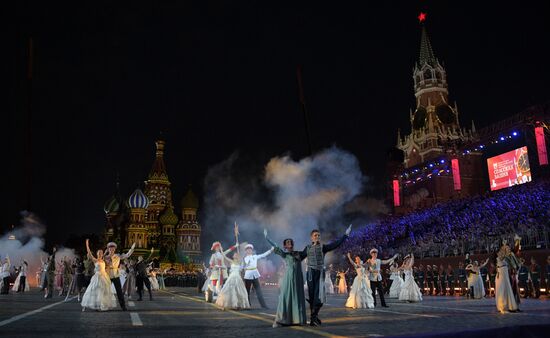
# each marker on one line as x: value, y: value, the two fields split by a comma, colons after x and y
x: 336, y: 243
x: 276, y: 249
x: 129, y: 253
x: 265, y: 254
x: 387, y: 261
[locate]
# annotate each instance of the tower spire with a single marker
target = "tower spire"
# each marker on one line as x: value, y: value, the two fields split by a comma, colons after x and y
x: 426, y: 51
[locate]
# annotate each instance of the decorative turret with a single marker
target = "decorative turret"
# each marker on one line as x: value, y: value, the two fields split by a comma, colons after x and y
x: 138, y: 200
x: 188, y: 229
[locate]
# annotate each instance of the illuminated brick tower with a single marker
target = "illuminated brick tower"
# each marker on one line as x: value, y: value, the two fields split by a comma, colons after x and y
x: 189, y: 230
x: 435, y: 126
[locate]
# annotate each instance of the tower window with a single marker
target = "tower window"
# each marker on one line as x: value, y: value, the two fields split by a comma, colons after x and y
x: 427, y: 74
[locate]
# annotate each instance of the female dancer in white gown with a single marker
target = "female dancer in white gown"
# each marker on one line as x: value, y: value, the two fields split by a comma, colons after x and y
x: 410, y: 292
x: 233, y: 294
x: 504, y: 295
x: 342, y: 285
x: 98, y: 295
x: 397, y: 281
x: 360, y: 295
x: 329, y: 287
x: 475, y: 281
x: 153, y: 279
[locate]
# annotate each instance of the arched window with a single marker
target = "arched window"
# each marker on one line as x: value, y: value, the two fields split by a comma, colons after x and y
x: 427, y: 74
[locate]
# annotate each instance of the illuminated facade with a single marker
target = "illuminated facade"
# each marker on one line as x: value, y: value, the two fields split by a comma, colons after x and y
x: 148, y: 219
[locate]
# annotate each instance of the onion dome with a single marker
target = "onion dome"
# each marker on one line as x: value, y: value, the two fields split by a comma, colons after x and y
x: 190, y: 200
x: 112, y: 206
x: 138, y: 200
x: 168, y: 217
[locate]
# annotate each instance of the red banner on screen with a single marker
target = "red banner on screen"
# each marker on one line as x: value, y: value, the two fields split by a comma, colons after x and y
x: 508, y: 169
x: 456, y: 173
x: 541, y: 146
x: 396, y: 201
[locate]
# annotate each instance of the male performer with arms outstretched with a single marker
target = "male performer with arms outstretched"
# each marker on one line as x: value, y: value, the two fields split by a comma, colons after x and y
x: 315, y: 253
x: 112, y: 261
x: 374, y: 264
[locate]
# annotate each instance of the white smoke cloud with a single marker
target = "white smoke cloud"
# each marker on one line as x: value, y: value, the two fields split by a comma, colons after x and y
x: 26, y: 243
x: 289, y: 198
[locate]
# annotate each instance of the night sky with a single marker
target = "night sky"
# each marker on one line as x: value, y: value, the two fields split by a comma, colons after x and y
x: 220, y: 76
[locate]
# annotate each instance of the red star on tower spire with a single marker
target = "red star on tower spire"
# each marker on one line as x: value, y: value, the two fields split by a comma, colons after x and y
x: 422, y: 17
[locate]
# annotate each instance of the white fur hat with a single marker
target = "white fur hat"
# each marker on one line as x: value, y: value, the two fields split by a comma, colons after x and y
x: 373, y: 250
x: 249, y: 246
x: 111, y: 244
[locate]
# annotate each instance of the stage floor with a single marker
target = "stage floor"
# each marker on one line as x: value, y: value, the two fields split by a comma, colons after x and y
x: 182, y: 312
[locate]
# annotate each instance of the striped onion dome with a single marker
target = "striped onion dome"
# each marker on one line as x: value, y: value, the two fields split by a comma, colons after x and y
x: 112, y: 206
x: 138, y: 200
x: 168, y: 217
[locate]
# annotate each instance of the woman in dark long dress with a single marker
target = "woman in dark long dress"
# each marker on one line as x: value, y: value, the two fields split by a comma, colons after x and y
x: 291, y: 309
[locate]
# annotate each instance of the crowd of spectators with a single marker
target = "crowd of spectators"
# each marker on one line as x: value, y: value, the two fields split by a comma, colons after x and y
x: 472, y: 225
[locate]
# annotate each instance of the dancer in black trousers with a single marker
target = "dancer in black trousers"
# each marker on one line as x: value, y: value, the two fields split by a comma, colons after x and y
x: 375, y: 276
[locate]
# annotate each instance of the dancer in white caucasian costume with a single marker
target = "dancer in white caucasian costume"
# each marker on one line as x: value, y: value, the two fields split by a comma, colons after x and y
x: 98, y: 295
x: 251, y: 273
x: 410, y: 292
x: 360, y: 295
x: 397, y: 281
x: 475, y: 281
x: 233, y: 294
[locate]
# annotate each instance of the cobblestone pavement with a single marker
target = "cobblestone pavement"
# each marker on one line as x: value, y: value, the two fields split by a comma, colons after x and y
x: 179, y: 312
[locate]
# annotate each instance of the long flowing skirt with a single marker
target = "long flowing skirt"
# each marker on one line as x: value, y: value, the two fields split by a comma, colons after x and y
x: 98, y: 295
x: 396, y: 287
x: 233, y: 294
x: 479, y: 288
x: 410, y: 291
x: 504, y: 295
x: 328, y: 284
x: 16, y: 284
x: 342, y: 286
x: 360, y: 295
x: 154, y: 283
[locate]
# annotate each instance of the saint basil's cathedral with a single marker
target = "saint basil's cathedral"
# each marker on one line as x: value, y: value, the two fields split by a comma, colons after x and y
x: 148, y: 218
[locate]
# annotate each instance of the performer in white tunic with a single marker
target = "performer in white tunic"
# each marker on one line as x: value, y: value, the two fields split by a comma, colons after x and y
x: 374, y: 264
x: 112, y: 261
x: 504, y: 295
x: 5, y: 276
x: 251, y: 273
x: 21, y: 283
x: 475, y: 281
x: 98, y: 295
x: 397, y: 281
x: 360, y: 295
x: 233, y: 294
x: 410, y: 292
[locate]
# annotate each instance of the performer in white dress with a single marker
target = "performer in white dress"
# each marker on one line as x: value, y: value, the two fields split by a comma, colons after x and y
x: 98, y: 295
x: 342, y: 284
x: 504, y: 295
x: 410, y: 291
x: 153, y: 279
x: 233, y: 294
x: 21, y: 283
x: 475, y: 281
x: 329, y: 287
x: 360, y: 295
x: 397, y: 281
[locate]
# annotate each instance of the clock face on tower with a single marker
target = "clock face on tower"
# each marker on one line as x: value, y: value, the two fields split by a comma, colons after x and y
x: 419, y: 120
x: 445, y: 114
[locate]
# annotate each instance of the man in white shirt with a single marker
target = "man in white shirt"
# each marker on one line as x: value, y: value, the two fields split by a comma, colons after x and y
x: 112, y: 262
x: 5, y: 275
x: 375, y: 275
x: 251, y: 273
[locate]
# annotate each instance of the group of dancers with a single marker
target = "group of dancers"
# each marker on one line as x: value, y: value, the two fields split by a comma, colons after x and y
x: 233, y: 291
